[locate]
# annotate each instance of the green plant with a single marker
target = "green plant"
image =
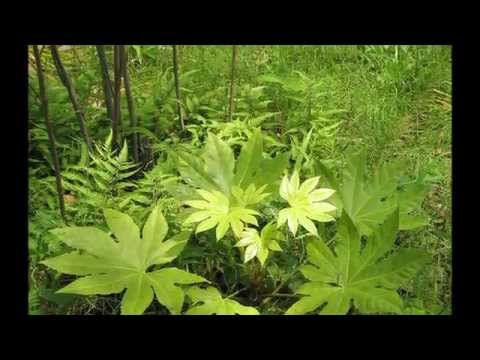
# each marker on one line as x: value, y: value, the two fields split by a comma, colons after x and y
x: 100, y: 179
x: 297, y: 109
x: 305, y: 203
x: 368, y: 275
x: 368, y: 200
x: 216, y: 211
x: 259, y: 245
x: 108, y: 267
x: 213, y: 303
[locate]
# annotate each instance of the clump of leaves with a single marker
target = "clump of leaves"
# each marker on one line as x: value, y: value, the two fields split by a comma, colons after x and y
x: 211, y: 302
x: 229, y: 189
x: 109, y: 266
x: 216, y: 210
x: 100, y: 179
x: 369, y: 276
x: 368, y: 201
x: 216, y: 168
x: 259, y: 245
x: 305, y: 203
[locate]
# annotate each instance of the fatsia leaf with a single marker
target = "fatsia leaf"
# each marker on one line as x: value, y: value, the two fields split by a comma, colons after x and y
x: 110, y: 267
x: 369, y: 200
x: 154, y: 231
x: 270, y: 171
x: 91, y: 239
x: 102, y: 284
x: 219, y: 162
x: 216, y: 211
x: 84, y: 264
x: 249, y: 160
x: 213, y: 303
x: 259, y: 245
x: 305, y: 204
x: 362, y: 276
x: 167, y: 292
x: 126, y: 232
x: 192, y: 169
x: 139, y: 295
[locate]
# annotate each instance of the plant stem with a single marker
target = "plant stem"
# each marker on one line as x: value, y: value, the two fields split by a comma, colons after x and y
x: 130, y: 103
x: 51, y: 135
x: 106, y: 82
x: 231, y: 107
x: 277, y: 289
x: 236, y: 293
x: 117, y: 67
x: 177, y: 86
x: 65, y: 79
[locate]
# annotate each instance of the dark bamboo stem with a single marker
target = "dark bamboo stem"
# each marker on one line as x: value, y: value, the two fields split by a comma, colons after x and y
x: 106, y: 82
x: 117, y: 65
x: 130, y: 102
x: 65, y: 79
x: 51, y: 135
x: 231, y: 107
x: 177, y: 86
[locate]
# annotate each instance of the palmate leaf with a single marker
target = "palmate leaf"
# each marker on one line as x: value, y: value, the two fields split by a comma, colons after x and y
x: 111, y: 266
x: 259, y: 245
x: 306, y: 204
x: 249, y: 160
x: 219, y: 162
x: 213, y: 303
x: 368, y: 201
x: 364, y: 277
x: 216, y: 169
x: 216, y: 211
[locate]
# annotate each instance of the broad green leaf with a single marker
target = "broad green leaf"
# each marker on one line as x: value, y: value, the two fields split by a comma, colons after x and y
x: 369, y: 201
x: 362, y: 275
x: 83, y: 264
x: 192, y: 169
x: 259, y: 245
x: 138, y: 297
x: 219, y: 162
x: 347, y: 247
x: 164, y: 283
x: 270, y: 171
x: 91, y: 239
x: 304, y: 204
x: 103, y: 284
x: 249, y: 160
x: 376, y: 300
x: 213, y: 303
x: 154, y: 232
x: 111, y: 270
x: 126, y: 232
x: 216, y: 210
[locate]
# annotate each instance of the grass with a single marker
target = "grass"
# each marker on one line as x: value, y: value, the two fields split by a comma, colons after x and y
x: 398, y: 106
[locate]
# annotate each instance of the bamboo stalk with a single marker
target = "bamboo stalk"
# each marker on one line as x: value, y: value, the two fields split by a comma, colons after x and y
x: 231, y: 107
x: 177, y: 86
x: 106, y: 82
x: 116, y: 141
x: 130, y: 102
x: 51, y: 135
x: 65, y: 79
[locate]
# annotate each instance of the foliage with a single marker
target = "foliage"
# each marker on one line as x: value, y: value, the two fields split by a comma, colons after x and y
x: 363, y: 275
x: 100, y: 179
x: 368, y: 202
x: 213, y: 303
x: 305, y: 204
x: 301, y: 113
x: 259, y: 245
x: 108, y: 267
